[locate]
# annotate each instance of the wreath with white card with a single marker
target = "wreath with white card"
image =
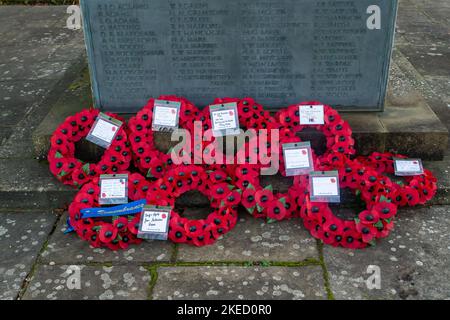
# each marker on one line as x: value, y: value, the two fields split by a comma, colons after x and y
x: 375, y: 221
x: 146, y: 157
x: 116, y: 232
x: 408, y: 190
x: 338, y: 133
x: 75, y: 172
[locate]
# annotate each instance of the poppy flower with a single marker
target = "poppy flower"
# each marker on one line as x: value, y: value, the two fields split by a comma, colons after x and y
x: 263, y: 197
x: 205, y: 238
x: 352, y: 240
x: 86, y: 116
x: 218, y: 220
x: 385, y: 210
x: 95, y: 241
x: 124, y: 241
x: 218, y: 176
x: 133, y: 224
x: 368, y: 232
x: 220, y: 190
x: 233, y: 198
x: 113, y: 245
x: 249, y: 198
x: 411, y: 195
x: 369, y: 217
x: 276, y: 210
x: 84, y: 198
x: 80, y: 177
x: 156, y: 168
x: 194, y: 228
x: 333, y: 226
x: 107, y: 233
x: 247, y: 171
x: 217, y: 231
x: 120, y: 223
x: 177, y: 233
x: 142, y: 188
x: 399, y: 197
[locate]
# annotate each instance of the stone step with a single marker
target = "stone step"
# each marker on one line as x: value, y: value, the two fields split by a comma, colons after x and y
x: 407, y: 125
x: 27, y: 184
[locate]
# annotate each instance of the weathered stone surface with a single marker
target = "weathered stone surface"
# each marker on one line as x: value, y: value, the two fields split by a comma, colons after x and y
x: 296, y: 44
x: 254, y: 240
x: 96, y: 283
x: 406, y: 123
x: 441, y: 169
x: 17, y: 97
x: 29, y: 183
x: 22, y: 236
x: 70, y: 249
x: 440, y: 85
x: 368, y: 132
x: 412, y: 127
x: 238, y: 283
x: 414, y: 260
x: 76, y: 98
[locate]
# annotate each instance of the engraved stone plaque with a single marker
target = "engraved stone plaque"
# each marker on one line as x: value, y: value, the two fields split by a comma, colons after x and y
x: 279, y: 52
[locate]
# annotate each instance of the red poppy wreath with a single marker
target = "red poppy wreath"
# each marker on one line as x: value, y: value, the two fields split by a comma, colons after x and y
x: 116, y: 234
x: 262, y: 202
x: 72, y: 171
x: 251, y: 115
x: 147, y: 158
x: 412, y: 190
x: 223, y: 197
x: 337, y: 131
x: 376, y: 221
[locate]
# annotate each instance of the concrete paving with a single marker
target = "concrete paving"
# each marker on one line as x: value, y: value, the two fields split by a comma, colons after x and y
x: 40, y: 58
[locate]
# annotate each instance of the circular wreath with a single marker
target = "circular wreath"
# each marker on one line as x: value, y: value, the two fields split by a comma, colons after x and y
x: 262, y: 202
x: 147, y: 158
x: 122, y: 230
x: 337, y: 131
x: 251, y: 115
x: 376, y: 221
x: 72, y: 171
x: 223, y: 197
x: 412, y: 190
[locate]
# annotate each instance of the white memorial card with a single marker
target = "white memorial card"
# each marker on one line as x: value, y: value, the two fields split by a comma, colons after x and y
x: 113, y: 189
x: 224, y: 119
x: 324, y: 186
x: 165, y: 115
x: 154, y: 223
x: 408, y: 167
x: 312, y: 114
x: 104, y: 130
x: 297, y: 158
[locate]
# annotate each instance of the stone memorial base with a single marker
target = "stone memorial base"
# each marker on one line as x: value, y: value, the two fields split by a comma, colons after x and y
x: 407, y: 125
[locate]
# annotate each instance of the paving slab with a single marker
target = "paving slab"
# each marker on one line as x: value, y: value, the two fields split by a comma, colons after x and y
x: 22, y: 236
x: 27, y: 183
x: 441, y: 169
x: 95, y: 283
x: 441, y: 86
x: 411, y: 125
x: 238, y: 283
x: 414, y: 261
x: 17, y: 98
x: 70, y: 249
x: 255, y: 240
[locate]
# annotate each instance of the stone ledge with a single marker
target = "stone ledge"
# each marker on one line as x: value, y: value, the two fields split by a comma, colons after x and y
x: 408, y: 125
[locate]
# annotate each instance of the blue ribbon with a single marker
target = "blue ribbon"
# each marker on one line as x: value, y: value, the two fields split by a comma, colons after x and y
x: 120, y: 210
x: 69, y: 227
